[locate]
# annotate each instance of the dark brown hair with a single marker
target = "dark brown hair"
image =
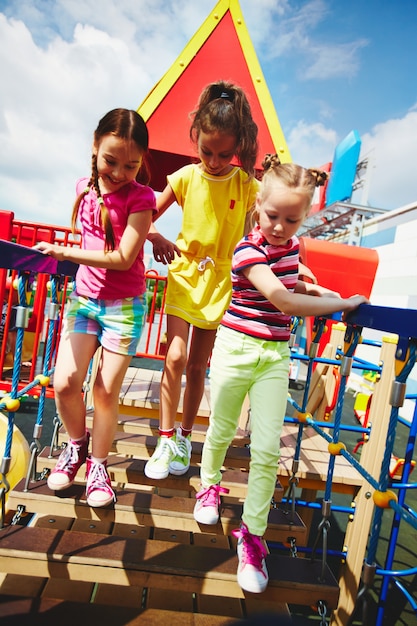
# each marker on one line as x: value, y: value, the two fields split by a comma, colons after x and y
x: 224, y: 107
x: 125, y: 124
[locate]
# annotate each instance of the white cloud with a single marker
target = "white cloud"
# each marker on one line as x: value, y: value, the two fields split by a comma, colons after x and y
x: 332, y: 61
x: 67, y: 66
x: 312, y: 145
x: 54, y: 99
x: 392, y: 150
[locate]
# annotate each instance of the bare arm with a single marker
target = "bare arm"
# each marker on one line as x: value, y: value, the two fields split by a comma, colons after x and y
x: 163, y: 249
x: 300, y: 304
x: 315, y: 290
x: 121, y: 258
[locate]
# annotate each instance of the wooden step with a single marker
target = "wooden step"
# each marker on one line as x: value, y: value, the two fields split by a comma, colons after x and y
x: 158, y: 564
x: 142, y: 446
x: 126, y: 470
x: 149, y: 509
x: 147, y: 426
x: 53, y: 612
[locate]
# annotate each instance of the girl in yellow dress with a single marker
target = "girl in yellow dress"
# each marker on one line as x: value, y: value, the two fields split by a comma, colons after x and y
x: 216, y: 197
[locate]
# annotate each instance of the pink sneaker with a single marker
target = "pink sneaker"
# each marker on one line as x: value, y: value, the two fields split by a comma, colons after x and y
x: 207, y: 507
x: 69, y: 462
x: 99, y: 491
x: 252, y: 574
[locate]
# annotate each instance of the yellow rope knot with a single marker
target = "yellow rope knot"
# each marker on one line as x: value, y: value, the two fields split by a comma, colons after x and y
x: 383, y: 498
x: 43, y: 380
x: 336, y: 448
x: 303, y: 417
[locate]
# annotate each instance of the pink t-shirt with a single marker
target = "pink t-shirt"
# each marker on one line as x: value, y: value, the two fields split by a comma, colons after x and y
x: 107, y: 284
x: 249, y: 311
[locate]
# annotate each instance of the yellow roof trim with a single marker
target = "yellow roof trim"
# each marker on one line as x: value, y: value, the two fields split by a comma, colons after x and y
x: 168, y: 80
x: 259, y: 82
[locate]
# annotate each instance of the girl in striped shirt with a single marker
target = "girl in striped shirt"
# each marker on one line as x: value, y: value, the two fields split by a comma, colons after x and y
x: 251, y: 354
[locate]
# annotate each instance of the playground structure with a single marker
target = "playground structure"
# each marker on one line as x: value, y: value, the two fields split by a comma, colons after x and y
x: 87, y: 547
x: 368, y: 481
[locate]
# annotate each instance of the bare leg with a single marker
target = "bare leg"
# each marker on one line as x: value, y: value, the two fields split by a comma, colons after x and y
x: 175, y: 362
x: 111, y: 371
x: 200, y: 349
x: 74, y: 355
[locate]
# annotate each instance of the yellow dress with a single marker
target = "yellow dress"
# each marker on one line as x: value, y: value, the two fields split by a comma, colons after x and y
x: 214, y: 212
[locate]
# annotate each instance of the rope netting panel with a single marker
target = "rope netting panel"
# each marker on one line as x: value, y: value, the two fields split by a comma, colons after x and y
x: 24, y: 277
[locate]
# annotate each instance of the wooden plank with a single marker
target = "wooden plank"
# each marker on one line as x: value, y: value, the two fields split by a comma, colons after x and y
x: 221, y: 605
x: 139, y: 510
x: 145, y: 426
x: 62, y: 589
x: 12, y: 584
x: 141, y: 390
x: 50, y: 612
x: 313, y: 467
x: 134, y: 387
x: 356, y: 538
x: 124, y: 470
x: 164, y: 565
x: 127, y: 381
x: 114, y: 595
x: 143, y: 446
x: 171, y: 600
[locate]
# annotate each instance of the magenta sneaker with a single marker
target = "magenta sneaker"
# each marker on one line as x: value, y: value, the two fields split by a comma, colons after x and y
x: 69, y: 462
x: 207, y: 507
x: 99, y: 491
x: 252, y: 574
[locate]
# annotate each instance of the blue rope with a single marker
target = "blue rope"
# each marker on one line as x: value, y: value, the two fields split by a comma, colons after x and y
x: 48, y: 351
x: 22, y: 283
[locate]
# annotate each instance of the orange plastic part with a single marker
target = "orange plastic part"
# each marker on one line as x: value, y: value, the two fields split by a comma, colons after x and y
x: 345, y: 269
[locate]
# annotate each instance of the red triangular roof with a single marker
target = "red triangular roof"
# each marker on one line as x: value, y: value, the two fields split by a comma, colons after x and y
x: 220, y: 50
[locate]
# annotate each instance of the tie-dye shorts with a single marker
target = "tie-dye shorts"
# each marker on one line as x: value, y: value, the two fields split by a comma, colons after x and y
x: 117, y: 324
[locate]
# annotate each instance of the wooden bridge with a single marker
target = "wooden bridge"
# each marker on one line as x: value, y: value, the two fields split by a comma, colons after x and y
x: 146, y: 556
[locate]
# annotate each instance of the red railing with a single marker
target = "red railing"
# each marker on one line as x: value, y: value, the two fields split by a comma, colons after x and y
x: 152, y: 344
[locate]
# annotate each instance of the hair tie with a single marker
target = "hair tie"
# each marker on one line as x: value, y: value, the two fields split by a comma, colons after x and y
x: 86, y: 190
x: 100, y: 200
x: 224, y: 94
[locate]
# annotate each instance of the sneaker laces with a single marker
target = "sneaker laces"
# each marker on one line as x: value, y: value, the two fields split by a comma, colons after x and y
x: 211, y: 495
x: 254, y: 550
x: 183, y: 446
x: 69, y: 456
x: 166, y: 447
x: 98, y: 478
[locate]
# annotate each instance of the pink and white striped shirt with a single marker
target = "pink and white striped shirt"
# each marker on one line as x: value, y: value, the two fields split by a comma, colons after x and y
x: 249, y: 311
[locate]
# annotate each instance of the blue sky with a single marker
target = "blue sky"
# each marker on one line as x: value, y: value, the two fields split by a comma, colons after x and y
x: 331, y: 67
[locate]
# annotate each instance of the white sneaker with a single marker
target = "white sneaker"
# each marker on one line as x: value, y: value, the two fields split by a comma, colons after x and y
x: 181, y: 462
x: 252, y: 574
x: 207, y: 507
x: 158, y: 465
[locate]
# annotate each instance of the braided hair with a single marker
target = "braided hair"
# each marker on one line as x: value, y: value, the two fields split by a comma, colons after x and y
x: 125, y: 124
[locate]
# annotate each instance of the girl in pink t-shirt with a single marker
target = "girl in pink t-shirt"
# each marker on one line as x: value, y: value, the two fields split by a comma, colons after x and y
x: 108, y: 305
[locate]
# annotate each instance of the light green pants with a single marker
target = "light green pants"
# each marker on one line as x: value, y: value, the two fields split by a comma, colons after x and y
x: 241, y: 364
